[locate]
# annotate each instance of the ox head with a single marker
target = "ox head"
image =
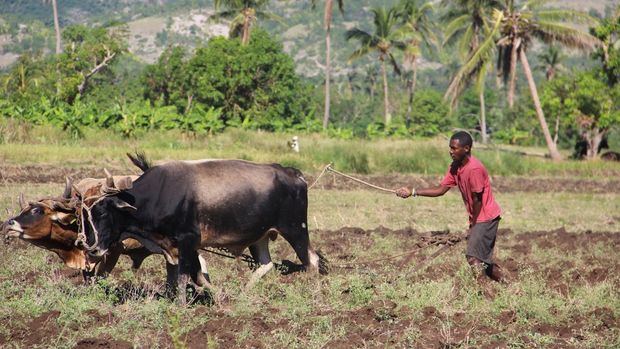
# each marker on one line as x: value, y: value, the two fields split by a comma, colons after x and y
x: 102, y: 218
x: 44, y: 219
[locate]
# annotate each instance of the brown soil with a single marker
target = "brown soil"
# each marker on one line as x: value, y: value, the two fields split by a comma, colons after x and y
x: 56, y: 174
x: 35, y: 331
x: 92, y: 343
x: 383, y: 323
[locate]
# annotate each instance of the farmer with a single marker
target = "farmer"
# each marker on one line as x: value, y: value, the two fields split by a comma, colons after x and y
x: 472, y: 178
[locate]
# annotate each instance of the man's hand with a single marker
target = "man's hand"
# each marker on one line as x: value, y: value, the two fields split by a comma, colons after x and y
x: 471, y: 226
x: 404, y: 192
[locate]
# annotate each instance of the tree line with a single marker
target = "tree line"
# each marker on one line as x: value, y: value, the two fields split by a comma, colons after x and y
x: 248, y: 81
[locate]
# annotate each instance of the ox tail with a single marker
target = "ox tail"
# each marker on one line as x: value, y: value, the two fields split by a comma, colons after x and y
x: 323, y: 263
x: 140, y: 160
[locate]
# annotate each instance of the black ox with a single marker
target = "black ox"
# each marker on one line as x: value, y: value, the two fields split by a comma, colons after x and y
x: 182, y: 206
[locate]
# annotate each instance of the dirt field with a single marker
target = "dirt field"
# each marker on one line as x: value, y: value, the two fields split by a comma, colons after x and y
x: 374, y: 307
x: 12, y: 174
x: 383, y: 289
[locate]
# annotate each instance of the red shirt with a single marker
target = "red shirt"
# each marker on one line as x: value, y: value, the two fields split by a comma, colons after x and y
x: 473, y: 178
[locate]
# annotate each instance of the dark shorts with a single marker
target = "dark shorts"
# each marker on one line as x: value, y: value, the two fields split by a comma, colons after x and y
x: 482, y: 240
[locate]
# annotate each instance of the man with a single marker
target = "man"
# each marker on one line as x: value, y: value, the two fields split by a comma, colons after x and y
x: 472, y: 178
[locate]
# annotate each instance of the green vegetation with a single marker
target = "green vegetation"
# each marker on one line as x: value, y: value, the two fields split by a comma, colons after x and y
x: 83, y: 107
x: 205, y: 87
x: 24, y: 144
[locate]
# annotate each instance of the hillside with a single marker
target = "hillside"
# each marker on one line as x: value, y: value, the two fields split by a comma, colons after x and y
x: 155, y: 24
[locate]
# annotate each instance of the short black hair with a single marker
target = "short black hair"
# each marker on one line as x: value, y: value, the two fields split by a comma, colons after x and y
x: 464, y: 138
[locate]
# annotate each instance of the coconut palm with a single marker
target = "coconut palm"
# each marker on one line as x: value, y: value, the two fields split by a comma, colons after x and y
x: 550, y: 64
x: 327, y: 25
x: 244, y: 14
x: 371, y: 80
x: 417, y: 31
x: 384, y: 40
x: 468, y: 25
x: 514, y: 32
x: 56, y: 24
x: 550, y: 61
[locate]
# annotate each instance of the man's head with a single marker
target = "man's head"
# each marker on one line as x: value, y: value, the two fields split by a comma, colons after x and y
x: 460, y: 146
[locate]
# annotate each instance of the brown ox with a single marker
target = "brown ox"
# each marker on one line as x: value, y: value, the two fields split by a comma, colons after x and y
x: 51, y: 224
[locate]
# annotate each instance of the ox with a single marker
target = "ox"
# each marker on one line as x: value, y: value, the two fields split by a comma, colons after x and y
x: 182, y: 206
x: 51, y: 223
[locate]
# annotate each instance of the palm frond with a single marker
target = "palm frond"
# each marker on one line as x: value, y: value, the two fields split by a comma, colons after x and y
x: 534, y: 4
x: 464, y: 44
x: 454, y: 27
x: 358, y: 34
x: 223, y: 14
x: 565, y: 16
x: 360, y: 52
x: 270, y: 16
x: 394, y: 64
x: 481, y: 75
x: 479, y: 58
x: 229, y: 4
x: 236, y: 26
x: 554, y: 32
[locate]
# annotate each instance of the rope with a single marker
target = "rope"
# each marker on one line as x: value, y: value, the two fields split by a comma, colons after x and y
x: 320, y: 175
x: 249, y: 260
x: 360, y: 181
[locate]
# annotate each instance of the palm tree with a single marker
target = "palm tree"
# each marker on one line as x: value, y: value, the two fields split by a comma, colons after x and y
x: 371, y: 80
x: 516, y: 29
x: 468, y: 25
x: 56, y: 24
x: 244, y: 14
x: 550, y: 61
x: 327, y: 25
x: 550, y: 64
x: 417, y: 30
x: 384, y: 40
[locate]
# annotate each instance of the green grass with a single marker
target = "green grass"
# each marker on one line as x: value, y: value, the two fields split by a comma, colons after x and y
x: 313, y: 307
x: 44, y: 145
x: 308, y: 311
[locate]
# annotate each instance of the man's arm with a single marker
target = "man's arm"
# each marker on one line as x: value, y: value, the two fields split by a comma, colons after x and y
x: 476, y: 207
x: 406, y: 192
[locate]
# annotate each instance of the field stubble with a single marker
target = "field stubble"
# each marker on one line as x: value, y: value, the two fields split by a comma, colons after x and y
x: 559, y: 249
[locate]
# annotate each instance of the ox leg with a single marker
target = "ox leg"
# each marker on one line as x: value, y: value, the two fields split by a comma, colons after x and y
x: 189, y: 265
x: 260, y: 252
x: 109, y: 261
x: 172, y: 276
x: 300, y: 241
x: 203, y: 268
x: 137, y: 256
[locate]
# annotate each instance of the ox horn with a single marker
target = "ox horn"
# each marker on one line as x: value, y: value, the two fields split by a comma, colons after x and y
x: 109, y: 180
x: 22, y: 201
x: 77, y: 191
x: 68, y: 184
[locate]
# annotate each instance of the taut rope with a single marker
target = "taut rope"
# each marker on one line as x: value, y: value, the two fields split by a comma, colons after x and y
x: 329, y: 167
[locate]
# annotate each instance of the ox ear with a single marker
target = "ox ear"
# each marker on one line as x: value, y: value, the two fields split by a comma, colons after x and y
x: 122, y: 204
x: 125, y: 183
x: 63, y: 218
x: 68, y: 186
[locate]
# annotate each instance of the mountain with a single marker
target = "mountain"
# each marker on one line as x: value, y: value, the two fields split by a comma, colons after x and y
x: 155, y: 24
